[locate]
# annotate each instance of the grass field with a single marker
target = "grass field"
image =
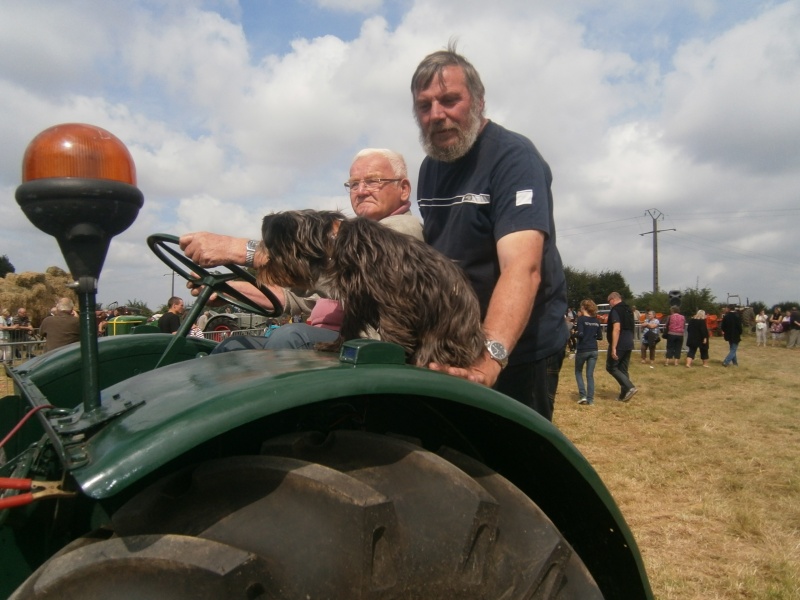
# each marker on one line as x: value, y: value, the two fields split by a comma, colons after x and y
x: 705, y: 465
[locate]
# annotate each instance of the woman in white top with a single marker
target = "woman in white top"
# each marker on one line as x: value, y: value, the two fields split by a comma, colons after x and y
x: 761, y: 329
x: 5, y: 351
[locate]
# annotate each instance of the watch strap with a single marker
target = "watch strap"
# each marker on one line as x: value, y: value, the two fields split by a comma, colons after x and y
x: 250, y: 253
x: 500, y: 355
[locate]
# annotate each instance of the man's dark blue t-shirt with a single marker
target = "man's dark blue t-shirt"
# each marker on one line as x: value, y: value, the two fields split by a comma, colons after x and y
x: 501, y: 186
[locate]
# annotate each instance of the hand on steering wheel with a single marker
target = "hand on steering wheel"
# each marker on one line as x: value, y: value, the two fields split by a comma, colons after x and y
x: 218, y: 282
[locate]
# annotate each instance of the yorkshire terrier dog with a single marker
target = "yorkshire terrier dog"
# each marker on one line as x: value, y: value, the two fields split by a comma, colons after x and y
x: 402, y: 288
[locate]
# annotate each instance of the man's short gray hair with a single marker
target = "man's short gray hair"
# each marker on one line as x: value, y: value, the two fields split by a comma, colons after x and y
x: 396, y: 160
x: 434, y: 64
x: 65, y: 305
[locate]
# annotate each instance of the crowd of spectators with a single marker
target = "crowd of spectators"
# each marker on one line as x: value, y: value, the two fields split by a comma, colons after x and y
x: 691, y: 335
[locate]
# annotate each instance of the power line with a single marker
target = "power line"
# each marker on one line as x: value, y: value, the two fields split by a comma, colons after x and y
x: 715, y: 216
x: 733, y: 216
x: 701, y: 243
x: 595, y: 224
x: 728, y: 250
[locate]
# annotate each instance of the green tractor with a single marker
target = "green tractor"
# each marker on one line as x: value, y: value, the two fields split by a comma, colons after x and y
x: 141, y: 467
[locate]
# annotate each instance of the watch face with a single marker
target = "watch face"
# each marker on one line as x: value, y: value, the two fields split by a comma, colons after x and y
x: 496, y: 349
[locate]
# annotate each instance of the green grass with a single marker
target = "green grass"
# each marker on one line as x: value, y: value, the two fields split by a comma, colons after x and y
x: 705, y: 466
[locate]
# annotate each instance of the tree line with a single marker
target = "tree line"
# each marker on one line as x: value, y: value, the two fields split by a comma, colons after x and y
x: 597, y: 287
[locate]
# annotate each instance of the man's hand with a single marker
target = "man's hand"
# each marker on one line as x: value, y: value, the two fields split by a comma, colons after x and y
x: 213, y: 300
x: 252, y: 293
x: 485, y: 370
x: 212, y: 249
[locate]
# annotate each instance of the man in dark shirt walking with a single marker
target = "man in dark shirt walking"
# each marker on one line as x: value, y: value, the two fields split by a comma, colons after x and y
x: 732, y: 332
x: 620, y: 345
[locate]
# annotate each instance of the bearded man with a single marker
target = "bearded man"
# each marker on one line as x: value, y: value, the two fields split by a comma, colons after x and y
x: 484, y: 195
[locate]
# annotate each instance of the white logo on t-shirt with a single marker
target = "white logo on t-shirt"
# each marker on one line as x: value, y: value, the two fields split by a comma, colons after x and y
x: 524, y: 197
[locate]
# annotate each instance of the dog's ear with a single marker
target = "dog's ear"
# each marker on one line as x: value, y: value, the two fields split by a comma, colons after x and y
x: 299, y: 245
x: 275, y: 226
x: 308, y: 229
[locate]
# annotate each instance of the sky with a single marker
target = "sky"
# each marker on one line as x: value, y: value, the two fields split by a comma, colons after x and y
x: 687, y: 110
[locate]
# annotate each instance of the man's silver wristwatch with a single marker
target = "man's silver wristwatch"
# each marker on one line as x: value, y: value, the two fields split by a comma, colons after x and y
x: 497, y: 351
x: 250, y: 255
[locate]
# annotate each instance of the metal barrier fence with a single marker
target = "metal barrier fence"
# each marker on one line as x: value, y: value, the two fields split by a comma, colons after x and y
x: 14, y: 354
x: 218, y: 336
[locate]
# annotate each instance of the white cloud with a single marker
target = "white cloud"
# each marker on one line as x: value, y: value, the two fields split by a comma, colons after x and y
x: 354, y: 6
x: 734, y: 99
x: 49, y: 48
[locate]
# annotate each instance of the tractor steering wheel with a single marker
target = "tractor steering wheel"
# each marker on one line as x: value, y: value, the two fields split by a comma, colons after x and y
x: 176, y: 260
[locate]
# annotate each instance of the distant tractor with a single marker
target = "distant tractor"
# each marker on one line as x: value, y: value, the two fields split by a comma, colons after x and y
x: 222, y: 324
x: 745, y: 310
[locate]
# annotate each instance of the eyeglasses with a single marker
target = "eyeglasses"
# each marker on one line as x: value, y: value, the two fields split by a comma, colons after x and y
x: 372, y: 185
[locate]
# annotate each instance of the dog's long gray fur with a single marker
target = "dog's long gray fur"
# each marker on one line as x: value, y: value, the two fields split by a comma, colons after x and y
x: 404, y: 289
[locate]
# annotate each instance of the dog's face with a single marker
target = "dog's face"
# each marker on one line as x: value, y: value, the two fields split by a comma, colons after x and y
x: 298, y: 244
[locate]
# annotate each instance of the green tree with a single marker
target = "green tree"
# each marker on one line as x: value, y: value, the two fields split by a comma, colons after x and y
x: 597, y: 286
x: 140, y: 306
x: 694, y: 299
x: 5, y: 266
x: 786, y: 305
x: 658, y: 302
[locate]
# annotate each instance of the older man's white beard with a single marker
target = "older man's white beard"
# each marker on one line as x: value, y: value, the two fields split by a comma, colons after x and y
x: 465, y: 141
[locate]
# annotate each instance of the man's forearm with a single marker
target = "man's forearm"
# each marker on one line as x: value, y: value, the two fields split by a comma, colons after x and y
x: 615, y: 329
x: 511, y: 306
x: 254, y: 294
x: 211, y: 250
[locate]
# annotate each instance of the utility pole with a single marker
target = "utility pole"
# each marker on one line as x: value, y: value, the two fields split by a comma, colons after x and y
x: 173, y: 282
x: 657, y: 216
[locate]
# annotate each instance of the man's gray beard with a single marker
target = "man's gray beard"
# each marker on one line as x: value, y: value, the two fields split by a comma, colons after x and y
x: 466, y: 139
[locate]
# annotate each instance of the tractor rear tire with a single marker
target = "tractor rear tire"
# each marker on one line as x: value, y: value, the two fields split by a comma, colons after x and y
x: 219, y: 328
x: 345, y: 515
x: 222, y: 323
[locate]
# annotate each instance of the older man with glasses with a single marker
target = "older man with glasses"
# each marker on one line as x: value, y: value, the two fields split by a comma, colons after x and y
x: 375, y: 196
x: 379, y: 190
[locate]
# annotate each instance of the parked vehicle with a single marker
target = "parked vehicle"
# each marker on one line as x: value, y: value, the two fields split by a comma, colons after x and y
x: 141, y: 467
x: 221, y: 324
x: 602, y: 312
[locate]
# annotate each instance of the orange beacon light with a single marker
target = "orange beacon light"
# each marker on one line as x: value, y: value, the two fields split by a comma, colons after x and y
x: 79, y: 185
